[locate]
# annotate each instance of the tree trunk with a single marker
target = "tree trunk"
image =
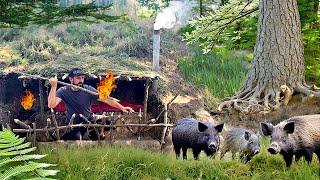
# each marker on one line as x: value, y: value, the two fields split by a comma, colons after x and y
x: 278, y: 65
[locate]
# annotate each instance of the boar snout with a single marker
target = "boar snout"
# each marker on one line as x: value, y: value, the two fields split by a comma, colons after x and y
x: 256, y: 151
x: 273, y: 149
x: 212, y: 147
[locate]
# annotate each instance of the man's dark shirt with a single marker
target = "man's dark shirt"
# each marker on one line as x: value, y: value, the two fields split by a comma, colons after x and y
x: 78, y: 102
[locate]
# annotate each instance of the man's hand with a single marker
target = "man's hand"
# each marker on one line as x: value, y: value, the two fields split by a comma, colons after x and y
x: 127, y: 110
x: 53, y: 81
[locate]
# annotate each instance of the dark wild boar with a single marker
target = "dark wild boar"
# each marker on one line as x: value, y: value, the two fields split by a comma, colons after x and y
x: 191, y: 133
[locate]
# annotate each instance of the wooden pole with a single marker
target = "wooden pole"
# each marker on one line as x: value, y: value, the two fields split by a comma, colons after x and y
x: 26, y: 75
x: 93, y: 125
x: 156, y: 50
x: 48, y: 125
x: 41, y: 102
x: 145, y: 101
x: 55, y: 123
x: 139, y: 129
x: 34, y: 135
x: 111, y: 129
x: 22, y: 124
x: 165, y: 120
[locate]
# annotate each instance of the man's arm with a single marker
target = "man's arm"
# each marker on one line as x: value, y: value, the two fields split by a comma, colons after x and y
x: 53, y: 100
x: 115, y: 104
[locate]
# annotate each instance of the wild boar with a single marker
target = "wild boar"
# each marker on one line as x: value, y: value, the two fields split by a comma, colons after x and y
x: 241, y: 140
x: 191, y: 133
x: 297, y: 136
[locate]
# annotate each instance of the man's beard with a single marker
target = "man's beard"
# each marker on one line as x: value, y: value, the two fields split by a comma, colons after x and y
x: 80, y: 85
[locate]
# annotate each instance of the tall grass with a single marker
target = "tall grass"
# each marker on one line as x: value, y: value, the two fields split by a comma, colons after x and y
x: 75, y: 44
x: 221, y: 72
x: 129, y: 163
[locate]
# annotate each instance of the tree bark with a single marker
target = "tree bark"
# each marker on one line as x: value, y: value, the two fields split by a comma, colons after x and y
x: 278, y: 64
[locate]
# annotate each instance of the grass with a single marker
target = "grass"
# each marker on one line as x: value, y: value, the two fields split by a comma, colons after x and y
x: 121, y: 46
x: 221, y: 72
x: 115, y: 162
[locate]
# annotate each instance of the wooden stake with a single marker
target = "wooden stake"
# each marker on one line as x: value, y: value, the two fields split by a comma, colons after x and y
x: 145, y: 101
x: 139, y: 130
x: 165, y: 120
x: 55, y: 123
x: 34, y: 135
x: 41, y: 103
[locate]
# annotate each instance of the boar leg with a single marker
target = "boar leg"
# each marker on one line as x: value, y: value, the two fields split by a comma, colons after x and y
x: 177, y: 151
x: 298, y: 156
x: 247, y: 159
x: 233, y: 154
x: 318, y: 154
x: 308, y: 156
x: 224, y: 150
x: 184, y: 153
x: 288, y: 158
x: 196, y: 153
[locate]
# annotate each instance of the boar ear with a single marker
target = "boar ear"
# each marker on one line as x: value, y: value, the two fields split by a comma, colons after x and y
x: 247, y: 135
x: 202, y: 127
x: 219, y: 127
x: 289, y: 127
x: 266, y: 129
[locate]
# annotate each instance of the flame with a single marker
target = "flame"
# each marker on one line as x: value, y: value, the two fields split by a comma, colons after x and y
x: 27, y: 100
x: 106, y: 85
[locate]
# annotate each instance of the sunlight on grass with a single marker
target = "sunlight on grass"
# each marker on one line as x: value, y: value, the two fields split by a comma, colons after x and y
x: 114, y: 162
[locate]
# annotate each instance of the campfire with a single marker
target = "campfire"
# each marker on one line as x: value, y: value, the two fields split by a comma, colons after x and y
x: 27, y: 100
x: 106, y: 85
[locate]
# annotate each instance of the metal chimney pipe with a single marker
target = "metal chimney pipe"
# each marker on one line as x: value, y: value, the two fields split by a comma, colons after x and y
x: 156, y: 50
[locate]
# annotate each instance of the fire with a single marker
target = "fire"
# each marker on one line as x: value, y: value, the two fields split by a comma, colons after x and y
x: 106, y: 85
x: 27, y: 100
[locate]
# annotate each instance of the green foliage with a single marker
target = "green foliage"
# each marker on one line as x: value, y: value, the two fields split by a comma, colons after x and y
x: 311, y: 40
x: 122, y: 162
x: 15, y: 161
x: 306, y: 12
x: 36, y: 48
x: 221, y: 72
x: 208, y: 29
x: 149, y: 8
x: 21, y: 13
x: 217, y: 28
x: 10, y: 57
